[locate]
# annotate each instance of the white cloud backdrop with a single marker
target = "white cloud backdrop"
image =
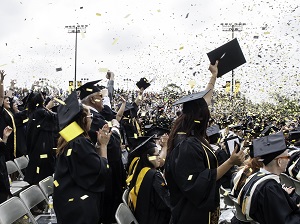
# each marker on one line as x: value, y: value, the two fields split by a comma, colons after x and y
x: 168, y: 39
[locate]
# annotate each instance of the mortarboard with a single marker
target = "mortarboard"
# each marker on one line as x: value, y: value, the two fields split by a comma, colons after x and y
x: 88, y: 89
x: 294, y: 135
x: 143, y: 144
x: 58, y: 69
x: 230, y: 56
x: 26, y: 99
x: 212, y: 130
x: 266, y: 130
x: 128, y: 106
x: 269, y: 147
x: 143, y: 83
x: 191, y: 97
x: 68, y: 112
x: 213, y: 133
x: 157, y: 131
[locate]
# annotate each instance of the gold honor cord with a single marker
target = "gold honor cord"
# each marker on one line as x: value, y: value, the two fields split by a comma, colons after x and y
x: 14, y: 130
x: 71, y: 131
x: 137, y: 126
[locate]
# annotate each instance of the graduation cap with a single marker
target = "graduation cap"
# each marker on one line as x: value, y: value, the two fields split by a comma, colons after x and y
x: 236, y: 127
x: 88, y: 89
x: 68, y: 112
x: 143, y: 144
x: 230, y: 56
x: 191, y: 97
x: 128, y: 106
x: 213, y: 133
x: 58, y: 69
x: 269, y: 147
x: 213, y: 130
x: 157, y: 131
x: 143, y: 83
x: 294, y: 135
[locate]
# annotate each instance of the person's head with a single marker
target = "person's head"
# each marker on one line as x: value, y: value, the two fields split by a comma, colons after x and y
x: 272, y: 151
x: 94, y: 100
x: 6, y: 103
x: 35, y: 101
x: 279, y: 163
x: 193, y: 121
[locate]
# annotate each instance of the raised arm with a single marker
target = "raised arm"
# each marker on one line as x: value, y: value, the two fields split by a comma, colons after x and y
x: 211, y: 84
x: 121, y: 110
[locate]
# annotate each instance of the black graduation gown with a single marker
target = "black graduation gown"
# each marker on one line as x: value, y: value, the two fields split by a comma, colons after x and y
x: 4, y: 181
x: 194, y: 191
x: 153, y: 200
x: 40, y: 143
x: 6, y: 120
x: 271, y: 204
x: 115, y: 181
x: 21, y: 121
x: 79, y: 183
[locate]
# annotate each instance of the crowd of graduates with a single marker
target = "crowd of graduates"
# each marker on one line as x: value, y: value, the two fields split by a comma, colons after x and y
x: 169, y: 150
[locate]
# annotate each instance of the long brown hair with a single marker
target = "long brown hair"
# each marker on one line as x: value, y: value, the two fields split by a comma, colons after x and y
x: 82, y: 122
x: 193, y: 121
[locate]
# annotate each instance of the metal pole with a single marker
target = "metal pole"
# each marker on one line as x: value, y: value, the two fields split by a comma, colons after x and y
x: 232, y: 72
x: 75, y: 57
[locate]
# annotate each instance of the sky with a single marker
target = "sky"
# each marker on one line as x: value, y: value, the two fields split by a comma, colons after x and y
x: 164, y: 40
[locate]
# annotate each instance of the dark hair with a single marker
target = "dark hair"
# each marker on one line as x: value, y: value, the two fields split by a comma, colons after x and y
x: 36, y: 101
x: 82, y: 122
x: 193, y: 121
x: 143, y: 162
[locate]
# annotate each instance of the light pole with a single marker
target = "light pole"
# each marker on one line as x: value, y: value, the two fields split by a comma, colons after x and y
x: 233, y: 27
x: 76, y: 29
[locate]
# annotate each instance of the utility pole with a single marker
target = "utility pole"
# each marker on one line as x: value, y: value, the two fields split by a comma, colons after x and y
x: 76, y: 29
x: 233, y: 27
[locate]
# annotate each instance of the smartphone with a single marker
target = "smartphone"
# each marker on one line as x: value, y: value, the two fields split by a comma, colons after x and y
x: 238, y: 146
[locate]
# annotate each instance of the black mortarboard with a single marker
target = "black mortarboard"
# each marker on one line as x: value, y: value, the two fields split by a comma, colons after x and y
x: 213, y: 133
x: 191, y: 97
x: 68, y: 112
x: 143, y: 83
x: 236, y: 127
x: 157, y: 131
x: 128, y: 106
x: 269, y: 147
x: 294, y: 135
x: 88, y: 89
x: 143, y: 144
x: 212, y: 130
x: 58, y: 69
x: 230, y: 56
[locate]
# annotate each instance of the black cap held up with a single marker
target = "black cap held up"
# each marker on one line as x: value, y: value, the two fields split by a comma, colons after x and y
x: 143, y: 83
x: 230, y: 56
x: 88, y: 89
x: 68, y: 112
x: 269, y: 147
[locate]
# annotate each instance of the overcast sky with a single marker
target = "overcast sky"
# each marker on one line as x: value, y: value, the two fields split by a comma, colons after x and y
x: 166, y: 39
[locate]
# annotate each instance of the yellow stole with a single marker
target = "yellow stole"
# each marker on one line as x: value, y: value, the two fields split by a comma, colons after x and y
x: 14, y: 130
x: 135, y: 190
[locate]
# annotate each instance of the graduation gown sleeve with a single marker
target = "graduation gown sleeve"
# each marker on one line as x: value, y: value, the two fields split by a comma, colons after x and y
x: 271, y: 204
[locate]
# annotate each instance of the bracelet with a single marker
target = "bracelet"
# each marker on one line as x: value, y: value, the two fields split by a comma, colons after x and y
x: 97, y: 146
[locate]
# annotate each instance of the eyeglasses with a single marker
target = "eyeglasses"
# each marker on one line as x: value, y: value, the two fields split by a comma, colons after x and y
x: 283, y: 157
x: 91, y: 116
